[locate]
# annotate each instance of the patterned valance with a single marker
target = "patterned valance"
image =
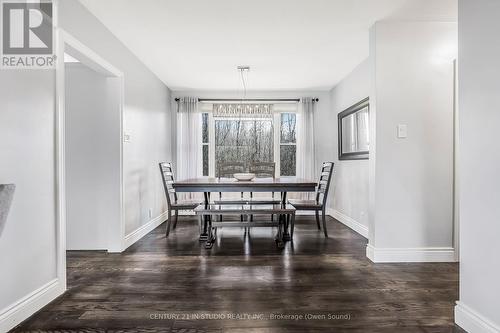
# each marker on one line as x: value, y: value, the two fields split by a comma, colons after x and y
x: 242, y: 110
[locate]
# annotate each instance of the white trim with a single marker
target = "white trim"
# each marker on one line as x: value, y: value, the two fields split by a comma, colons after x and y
x: 370, y: 252
x: 211, y: 145
x: 143, y: 230
x: 17, y: 312
x: 60, y: 162
x: 87, y: 56
x: 349, y: 222
x: 472, y: 321
x: 67, y: 43
x: 456, y: 176
x: 421, y: 254
x: 277, y: 144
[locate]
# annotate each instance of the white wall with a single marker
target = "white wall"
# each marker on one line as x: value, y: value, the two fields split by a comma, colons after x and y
x: 27, y: 158
x: 92, y: 158
x: 412, y: 178
x: 349, y: 199
x: 146, y: 115
x: 479, y: 165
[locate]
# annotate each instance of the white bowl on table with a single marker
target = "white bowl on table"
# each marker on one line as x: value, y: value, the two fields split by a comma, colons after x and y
x: 244, y: 176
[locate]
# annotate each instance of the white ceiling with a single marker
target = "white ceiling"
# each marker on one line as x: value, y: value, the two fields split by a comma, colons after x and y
x: 289, y: 44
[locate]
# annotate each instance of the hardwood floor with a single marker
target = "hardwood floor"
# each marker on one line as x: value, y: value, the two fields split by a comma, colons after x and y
x: 168, y: 285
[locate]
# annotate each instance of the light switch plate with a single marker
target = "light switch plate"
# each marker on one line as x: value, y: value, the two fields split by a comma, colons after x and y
x: 402, y: 131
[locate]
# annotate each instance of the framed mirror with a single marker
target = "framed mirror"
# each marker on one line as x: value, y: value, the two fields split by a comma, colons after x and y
x: 354, y: 131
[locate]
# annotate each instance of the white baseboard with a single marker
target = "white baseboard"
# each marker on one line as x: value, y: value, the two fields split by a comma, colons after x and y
x: 473, y: 322
x: 349, y: 222
x: 143, y: 230
x: 19, y: 311
x: 424, y: 254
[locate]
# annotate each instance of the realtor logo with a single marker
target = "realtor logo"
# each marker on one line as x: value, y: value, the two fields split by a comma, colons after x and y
x: 27, y: 35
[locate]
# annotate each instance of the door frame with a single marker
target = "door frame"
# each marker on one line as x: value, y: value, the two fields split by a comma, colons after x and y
x: 116, y: 231
x: 456, y: 142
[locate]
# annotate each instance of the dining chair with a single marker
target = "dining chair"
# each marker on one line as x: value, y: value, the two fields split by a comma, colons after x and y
x: 227, y: 170
x: 173, y: 203
x: 264, y: 170
x: 318, y: 204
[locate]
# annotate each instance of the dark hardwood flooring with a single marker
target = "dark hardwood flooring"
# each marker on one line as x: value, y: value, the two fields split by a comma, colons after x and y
x: 168, y: 285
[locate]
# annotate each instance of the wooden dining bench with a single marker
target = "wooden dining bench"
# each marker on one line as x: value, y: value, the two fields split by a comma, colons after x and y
x: 214, y: 211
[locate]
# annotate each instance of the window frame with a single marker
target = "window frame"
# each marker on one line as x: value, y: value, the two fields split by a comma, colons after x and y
x: 279, y: 109
x: 278, y: 143
x: 205, y: 143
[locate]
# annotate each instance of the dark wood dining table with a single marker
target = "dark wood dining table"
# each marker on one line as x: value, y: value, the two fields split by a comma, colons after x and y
x: 207, y: 185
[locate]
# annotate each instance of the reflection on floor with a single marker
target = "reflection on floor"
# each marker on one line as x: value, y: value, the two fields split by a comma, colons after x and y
x: 245, y: 284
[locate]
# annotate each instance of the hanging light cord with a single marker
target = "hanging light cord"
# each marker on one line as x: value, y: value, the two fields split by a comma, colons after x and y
x: 244, y: 83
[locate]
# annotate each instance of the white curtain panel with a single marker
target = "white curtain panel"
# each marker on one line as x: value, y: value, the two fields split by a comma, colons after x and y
x: 306, y: 157
x: 189, y: 147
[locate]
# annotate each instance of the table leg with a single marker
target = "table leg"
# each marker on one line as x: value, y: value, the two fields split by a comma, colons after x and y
x: 279, y: 237
x: 292, y: 225
x: 286, y: 234
x: 283, y: 198
x: 211, y: 235
x: 204, y: 231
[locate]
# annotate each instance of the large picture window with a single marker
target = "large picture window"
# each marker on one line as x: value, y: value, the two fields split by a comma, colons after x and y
x: 243, y: 140
x: 264, y: 137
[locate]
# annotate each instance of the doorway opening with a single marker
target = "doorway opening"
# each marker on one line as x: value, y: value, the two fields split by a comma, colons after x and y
x: 90, y: 149
x: 92, y: 155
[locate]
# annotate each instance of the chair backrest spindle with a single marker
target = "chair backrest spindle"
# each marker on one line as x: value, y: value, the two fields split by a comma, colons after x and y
x: 324, y: 182
x: 167, y: 175
x: 228, y: 169
x: 263, y: 169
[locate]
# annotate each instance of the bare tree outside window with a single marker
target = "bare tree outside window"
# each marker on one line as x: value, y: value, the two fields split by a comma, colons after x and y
x: 205, y: 143
x: 288, y: 144
x: 243, y: 140
x: 248, y: 140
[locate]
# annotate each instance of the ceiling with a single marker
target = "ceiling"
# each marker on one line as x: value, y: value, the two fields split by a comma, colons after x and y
x: 289, y: 44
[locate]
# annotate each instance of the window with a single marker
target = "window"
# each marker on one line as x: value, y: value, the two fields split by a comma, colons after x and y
x: 243, y: 140
x: 205, y: 143
x: 288, y: 144
x: 248, y: 139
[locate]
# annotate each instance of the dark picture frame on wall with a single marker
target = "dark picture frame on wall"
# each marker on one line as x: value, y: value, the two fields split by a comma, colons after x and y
x: 354, y: 131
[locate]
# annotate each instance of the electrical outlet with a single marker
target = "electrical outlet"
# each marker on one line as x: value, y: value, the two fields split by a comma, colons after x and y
x: 402, y: 131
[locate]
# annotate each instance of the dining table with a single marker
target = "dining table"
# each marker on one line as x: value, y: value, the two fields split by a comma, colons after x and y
x: 207, y: 185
